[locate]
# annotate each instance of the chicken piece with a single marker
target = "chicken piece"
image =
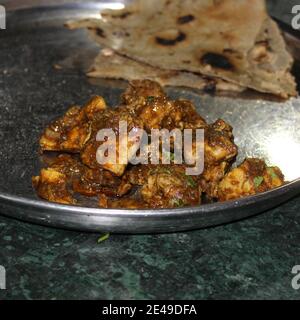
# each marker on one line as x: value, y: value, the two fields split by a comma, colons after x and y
x: 219, y: 145
x: 137, y: 175
x: 71, y: 132
x: 66, y: 164
x: 76, y: 138
x: 212, y: 152
x: 77, y: 178
x: 51, y: 185
x: 164, y: 186
x: 149, y: 102
x: 111, y: 120
x: 103, y: 201
x: 127, y: 203
x: 139, y: 92
x: 54, y: 182
x: 251, y: 177
x: 67, y: 133
x: 124, y: 188
x: 184, y: 116
x: 211, y: 178
x: 154, y: 111
x: 169, y: 187
x: 93, y: 182
x: 161, y: 113
x: 95, y: 106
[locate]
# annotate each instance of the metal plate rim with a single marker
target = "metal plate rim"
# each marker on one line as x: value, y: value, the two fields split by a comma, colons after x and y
x: 204, y: 208
x: 40, y: 208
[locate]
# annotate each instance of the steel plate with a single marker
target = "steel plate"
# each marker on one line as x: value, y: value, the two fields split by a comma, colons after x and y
x: 33, y: 93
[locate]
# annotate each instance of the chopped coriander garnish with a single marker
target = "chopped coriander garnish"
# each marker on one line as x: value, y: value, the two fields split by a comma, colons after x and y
x: 171, y: 156
x: 165, y: 170
x: 272, y: 173
x: 103, y: 237
x: 150, y: 98
x: 160, y: 170
x: 178, y: 203
x: 258, y: 181
x: 190, y: 182
x: 152, y: 171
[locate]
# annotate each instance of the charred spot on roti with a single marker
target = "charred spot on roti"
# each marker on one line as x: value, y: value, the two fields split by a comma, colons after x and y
x: 262, y: 52
x: 170, y: 42
x: 185, y: 19
x: 98, y: 31
x: 123, y: 15
x: 233, y: 53
x: 217, y: 2
x: 121, y: 34
x: 210, y: 87
x: 229, y: 51
x: 265, y: 43
x: 217, y: 60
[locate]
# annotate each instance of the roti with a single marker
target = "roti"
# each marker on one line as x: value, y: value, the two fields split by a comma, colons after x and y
x: 111, y: 65
x: 232, y: 40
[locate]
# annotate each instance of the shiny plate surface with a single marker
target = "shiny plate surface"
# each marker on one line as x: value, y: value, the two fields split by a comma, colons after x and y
x: 33, y: 92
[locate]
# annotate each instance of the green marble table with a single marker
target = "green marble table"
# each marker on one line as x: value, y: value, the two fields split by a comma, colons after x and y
x: 245, y: 260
